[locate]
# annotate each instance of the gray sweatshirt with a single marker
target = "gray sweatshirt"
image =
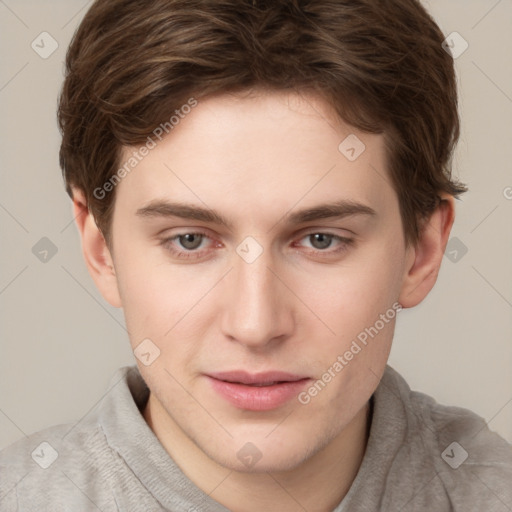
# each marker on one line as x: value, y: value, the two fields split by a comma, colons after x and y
x: 421, y: 456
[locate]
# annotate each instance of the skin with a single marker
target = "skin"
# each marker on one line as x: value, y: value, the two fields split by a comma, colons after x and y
x: 257, y: 159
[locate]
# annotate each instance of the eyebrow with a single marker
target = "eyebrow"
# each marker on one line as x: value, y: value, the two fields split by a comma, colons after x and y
x: 335, y: 210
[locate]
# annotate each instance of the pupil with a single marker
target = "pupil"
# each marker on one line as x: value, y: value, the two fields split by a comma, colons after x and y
x: 191, y: 241
x: 321, y: 240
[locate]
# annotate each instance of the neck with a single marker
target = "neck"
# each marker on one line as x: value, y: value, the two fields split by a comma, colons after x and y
x: 330, y: 472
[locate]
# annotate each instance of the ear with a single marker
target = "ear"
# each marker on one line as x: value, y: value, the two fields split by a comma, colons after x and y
x: 426, y: 255
x: 97, y: 255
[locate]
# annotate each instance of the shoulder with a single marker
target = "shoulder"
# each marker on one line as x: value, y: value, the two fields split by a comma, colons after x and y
x: 469, y: 463
x: 52, y: 466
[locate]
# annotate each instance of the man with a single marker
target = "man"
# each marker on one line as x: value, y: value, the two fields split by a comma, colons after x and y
x: 262, y: 187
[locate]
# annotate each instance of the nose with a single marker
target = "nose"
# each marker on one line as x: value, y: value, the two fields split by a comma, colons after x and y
x: 258, y: 309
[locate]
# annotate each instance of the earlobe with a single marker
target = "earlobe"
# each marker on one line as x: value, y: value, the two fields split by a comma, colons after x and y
x: 96, y: 253
x: 426, y: 256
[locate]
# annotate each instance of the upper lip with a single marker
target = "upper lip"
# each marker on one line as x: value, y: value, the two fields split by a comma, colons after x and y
x: 243, y: 377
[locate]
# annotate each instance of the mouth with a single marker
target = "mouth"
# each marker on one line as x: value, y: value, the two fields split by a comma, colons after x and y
x: 257, y: 392
x: 257, y: 379
x: 261, y: 384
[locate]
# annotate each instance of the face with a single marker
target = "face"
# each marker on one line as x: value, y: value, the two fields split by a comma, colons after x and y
x: 264, y: 266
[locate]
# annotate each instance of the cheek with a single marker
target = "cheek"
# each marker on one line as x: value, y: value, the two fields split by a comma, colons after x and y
x: 350, y: 301
x: 360, y: 307
x: 161, y: 300
x: 356, y: 292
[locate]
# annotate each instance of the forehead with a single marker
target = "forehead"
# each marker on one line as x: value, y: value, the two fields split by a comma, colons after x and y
x: 259, y: 156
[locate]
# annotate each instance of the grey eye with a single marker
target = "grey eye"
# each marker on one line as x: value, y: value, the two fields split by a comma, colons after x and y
x: 320, y: 240
x: 190, y: 240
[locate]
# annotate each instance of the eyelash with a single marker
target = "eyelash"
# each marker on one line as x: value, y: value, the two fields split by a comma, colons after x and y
x: 197, y: 253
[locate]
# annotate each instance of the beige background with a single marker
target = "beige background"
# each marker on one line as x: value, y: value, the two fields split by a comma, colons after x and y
x: 61, y: 343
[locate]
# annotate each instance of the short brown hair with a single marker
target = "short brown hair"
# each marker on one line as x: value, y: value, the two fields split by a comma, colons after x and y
x: 380, y: 64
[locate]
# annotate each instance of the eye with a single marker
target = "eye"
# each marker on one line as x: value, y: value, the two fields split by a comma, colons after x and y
x: 186, y: 245
x: 320, y: 242
x: 195, y: 245
x: 190, y: 241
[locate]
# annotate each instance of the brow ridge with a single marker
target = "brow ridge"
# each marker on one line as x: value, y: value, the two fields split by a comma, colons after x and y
x: 338, y: 209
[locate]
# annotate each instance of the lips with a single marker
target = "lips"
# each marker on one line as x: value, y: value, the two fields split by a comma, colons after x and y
x: 257, y: 379
x: 257, y: 392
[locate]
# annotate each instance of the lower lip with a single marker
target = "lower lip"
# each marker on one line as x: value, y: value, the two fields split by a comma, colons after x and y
x: 258, y: 398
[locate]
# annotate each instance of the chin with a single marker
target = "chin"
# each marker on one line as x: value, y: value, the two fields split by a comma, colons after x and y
x: 272, y: 463
x: 262, y: 454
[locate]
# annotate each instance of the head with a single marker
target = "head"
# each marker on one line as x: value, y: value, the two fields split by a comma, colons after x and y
x: 261, y: 186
